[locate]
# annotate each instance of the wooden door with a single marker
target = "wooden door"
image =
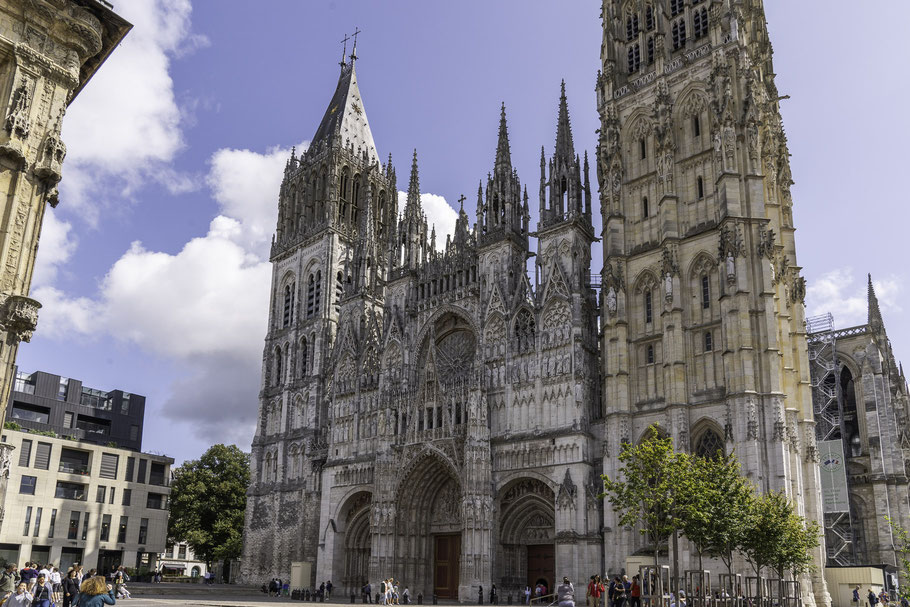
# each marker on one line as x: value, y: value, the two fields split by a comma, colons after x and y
x: 446, y: 557
x: 542, y: 566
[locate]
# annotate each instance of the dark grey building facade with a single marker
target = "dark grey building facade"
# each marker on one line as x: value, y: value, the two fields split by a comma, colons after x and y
x: 44, y: 401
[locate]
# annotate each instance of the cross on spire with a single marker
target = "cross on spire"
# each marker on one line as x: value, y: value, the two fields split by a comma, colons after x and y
x: 354, y: 48
x: 461, y: 201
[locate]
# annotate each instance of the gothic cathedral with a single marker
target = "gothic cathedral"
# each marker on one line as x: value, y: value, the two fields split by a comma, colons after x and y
x: 432, y: 413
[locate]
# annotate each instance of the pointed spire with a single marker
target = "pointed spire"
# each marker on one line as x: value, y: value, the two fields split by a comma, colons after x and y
x: 412, y: 207
x: 565, y: 147
x: 875, y: 314
x: 503, y: 153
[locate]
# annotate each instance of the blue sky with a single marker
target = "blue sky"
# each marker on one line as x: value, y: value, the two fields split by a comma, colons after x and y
x: 153, y: 270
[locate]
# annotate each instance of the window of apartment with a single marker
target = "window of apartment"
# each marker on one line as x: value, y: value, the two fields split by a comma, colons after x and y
x: 121, y: 531
x: 28, y: 520
x: 30, y: 413
x: 105, y: 527
x: 85, y: 526
x: 182, y: 552
x: 130, y: 464
x: 109, y: 464
x: 24, y: 383
x: 97, y: 399
x: 113, y: 491
x: 70, y: 491
x: 50, y: 531
x: 156, y: 501
x: 101, y: 493
x: 157, y: 474
x: 73, y: 530
x: 125, y: 403
x: 143, y: 530
x: 73, y: 461
x: 25, y: 454
x: 68, y: 419
x: 127, y: 497
x: 43, y: 456
x: 143, y: 464
x: 27, y: 485
x: 62, y: 388
x: 93, y: 425
x: 37, y: 523
x: 134, y: 432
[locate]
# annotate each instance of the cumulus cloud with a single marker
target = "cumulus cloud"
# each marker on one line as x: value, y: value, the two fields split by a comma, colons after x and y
x: 133, y: 97
x: 844, y: 295
x: 439, y: 213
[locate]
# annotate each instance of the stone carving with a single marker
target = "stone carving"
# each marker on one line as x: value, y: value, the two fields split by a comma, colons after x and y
x: 565, y: 497
x: 668, y: 269
x: 17, y: 121
x: 21, y: 317
x: 731, y: 246
x: 765, y: 245
x: 6, y: 452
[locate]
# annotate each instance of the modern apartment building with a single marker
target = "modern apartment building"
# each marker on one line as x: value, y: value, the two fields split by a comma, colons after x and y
x: 79, y: 488
x: 44, y: 401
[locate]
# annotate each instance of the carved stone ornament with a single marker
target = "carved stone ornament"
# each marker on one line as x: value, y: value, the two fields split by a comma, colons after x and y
x: 765, y: 246
x: 17, y: 122
x: 21, y: 317
x: 729, y: 249
x: 6, y: 452
x: 668, y: 269
x: 797, y: 287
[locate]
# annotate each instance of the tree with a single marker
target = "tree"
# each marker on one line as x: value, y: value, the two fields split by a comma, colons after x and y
x: 902, y: 547
x: 716, y: 511
x: 208, y: 500
x: 649, y: 488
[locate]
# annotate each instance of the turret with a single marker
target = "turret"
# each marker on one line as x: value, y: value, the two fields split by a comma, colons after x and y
x: 500, y: 208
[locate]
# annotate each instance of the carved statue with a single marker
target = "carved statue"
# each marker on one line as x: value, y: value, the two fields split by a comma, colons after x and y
x: 668, y: 287
x: 611, y: 300
x: 17, y: 122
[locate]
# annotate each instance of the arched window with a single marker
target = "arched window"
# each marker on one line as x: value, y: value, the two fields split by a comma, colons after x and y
x: 649, y: 354
x: 649, y: 17
x: 311, y: 296
x: 345, y: 195
x: 700, y: 186
x: 317, y: 298
x: 304, y: 357
x: 649, y: 317
x: 634, y: 58
x: 709, y: 341
x: 381, y: 213
x: 631, y: 26
x: 679, y: 34
x: 355, y: 202
x: 525, y: 329
x: 705, y: 292
x: 700, y: 23
x: 339, y: 289
x: 645, y: 211
x: 643, y: 148
x: 564, y: 195
x: 852, y: 441
x: 288, y: 305
x: 696, y: 127
x: 278, y: 367
x: 709, y: 445
x: 676, y: 7
x: 650, y: 50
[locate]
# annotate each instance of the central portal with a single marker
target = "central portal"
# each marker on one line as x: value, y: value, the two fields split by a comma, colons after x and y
x: 542, y: 566
x: 446, y: 556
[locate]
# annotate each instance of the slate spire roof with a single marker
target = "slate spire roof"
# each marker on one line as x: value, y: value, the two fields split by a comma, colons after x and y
x: 345, y: 120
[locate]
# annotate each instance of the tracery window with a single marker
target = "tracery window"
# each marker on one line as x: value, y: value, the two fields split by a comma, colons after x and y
x: 645, y: 211
x: 696, y: 126
x: 314, y: 293
x: 700, y: 187
x: 288, y: 305
x: 649, y: 312
x: 278, y: 366
x: 304, y: 357
x: 700, y: 23
x: 679, y: 34
x: 525, y: 330
x: 709, y: 341
x: 344, y: 199
x: 650, y: 50
x: 631, y: 26
x: 643, y: 148
x: 710, y: 445
x: 355, y: 202
x: 705, y: 292
x: 634, y: 58
x: 676, y: 7
x: 649, y: 354
x: 649, y: 17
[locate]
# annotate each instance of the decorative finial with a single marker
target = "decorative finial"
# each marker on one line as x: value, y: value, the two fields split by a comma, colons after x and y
x: 354, y: 48
x: 344, y: 50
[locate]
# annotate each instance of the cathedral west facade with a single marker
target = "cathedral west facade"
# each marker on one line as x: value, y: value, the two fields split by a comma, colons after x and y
x: 434, y: 414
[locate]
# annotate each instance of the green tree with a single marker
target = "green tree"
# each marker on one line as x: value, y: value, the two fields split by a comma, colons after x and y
x: 715, y: 512
x: 208, y: 500
x: 649, y: 488
x: 794, y: 554
x: 902, y: 547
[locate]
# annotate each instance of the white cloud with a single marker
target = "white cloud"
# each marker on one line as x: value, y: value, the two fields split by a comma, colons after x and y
x: 845, y: 296
x: 124, y: 127
x: 439, y: 213
x: 55, y: 248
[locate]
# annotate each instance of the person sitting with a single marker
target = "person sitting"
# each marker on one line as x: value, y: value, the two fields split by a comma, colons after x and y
x: 565, y: 593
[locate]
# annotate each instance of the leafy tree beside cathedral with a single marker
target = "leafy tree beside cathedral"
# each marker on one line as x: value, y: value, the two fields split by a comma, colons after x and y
x: 208, y: 499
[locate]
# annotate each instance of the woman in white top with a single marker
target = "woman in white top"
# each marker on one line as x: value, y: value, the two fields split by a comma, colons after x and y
x: 22, y: 597
x: 565, y: 593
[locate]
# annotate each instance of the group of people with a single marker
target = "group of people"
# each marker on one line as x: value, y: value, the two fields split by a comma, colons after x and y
x: 388, y: 593
x: 37, y: 586
x: 882, y: 598
x: 619, y: 592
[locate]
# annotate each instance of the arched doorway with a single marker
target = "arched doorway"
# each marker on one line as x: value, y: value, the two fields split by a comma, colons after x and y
x: 353, y: 542
x: 430, y: 527
x: 527, y: 534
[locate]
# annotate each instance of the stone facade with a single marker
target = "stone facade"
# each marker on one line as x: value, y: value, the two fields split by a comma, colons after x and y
x: 48, y: 51
x: 870, y: 413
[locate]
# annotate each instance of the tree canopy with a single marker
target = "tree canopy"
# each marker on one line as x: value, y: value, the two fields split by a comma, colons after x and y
x: 208, y: 500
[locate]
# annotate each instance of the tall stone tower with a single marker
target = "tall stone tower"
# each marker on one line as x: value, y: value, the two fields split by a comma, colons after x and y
x: 50, y: 49
x: 703, y: 316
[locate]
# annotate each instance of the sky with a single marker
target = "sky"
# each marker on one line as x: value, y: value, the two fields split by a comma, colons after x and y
x: 153, y: 270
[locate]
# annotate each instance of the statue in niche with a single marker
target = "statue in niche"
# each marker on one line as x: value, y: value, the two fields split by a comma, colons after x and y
x: 611, y: 300
x: 668, y: 287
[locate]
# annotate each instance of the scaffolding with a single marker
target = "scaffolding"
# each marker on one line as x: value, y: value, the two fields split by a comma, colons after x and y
x: 828, y: 408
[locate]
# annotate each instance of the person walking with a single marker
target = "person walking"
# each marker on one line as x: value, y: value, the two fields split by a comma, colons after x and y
x: 70, y: 588
x: 635, y: 592
x: 95, y: 592
x: 56, y: 584
x: 527, y: 595
x: 873, y: 600
x: 21, y: 598
x: 9, y: 579
x: 42, y: 593
x: 565, y: 593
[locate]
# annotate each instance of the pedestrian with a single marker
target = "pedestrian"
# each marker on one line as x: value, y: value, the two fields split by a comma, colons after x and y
x: 635, y: 592
x: 70, y: 588
x: 856, y: 596
x: 873, y: 600
x: 95, y: 592
x: 119, y: 578
x: 42, y: 593
x: 328, y: 589
x: 9, y: 579
x: 406, y: 596
x: 565, y: 593
x: 494, y: 599
x: 56, y: 584
x: 22, y: 597
x: 619, y: 592
x: 527, y: 595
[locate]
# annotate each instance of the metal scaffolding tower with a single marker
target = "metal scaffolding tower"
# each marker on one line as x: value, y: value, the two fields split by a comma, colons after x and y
x: 828, y: 407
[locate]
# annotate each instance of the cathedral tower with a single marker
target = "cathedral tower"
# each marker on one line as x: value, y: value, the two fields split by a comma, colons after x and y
x: 703, y: 313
